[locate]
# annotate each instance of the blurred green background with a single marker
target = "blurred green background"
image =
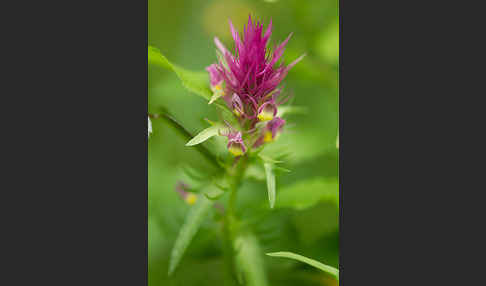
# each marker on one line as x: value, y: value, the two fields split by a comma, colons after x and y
x: 183, y: 30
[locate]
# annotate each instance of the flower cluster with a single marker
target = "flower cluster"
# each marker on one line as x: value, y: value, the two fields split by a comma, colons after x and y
x: 248, y: 81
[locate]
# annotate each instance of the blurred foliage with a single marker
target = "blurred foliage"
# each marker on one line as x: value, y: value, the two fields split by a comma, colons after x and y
x: 305, y: 220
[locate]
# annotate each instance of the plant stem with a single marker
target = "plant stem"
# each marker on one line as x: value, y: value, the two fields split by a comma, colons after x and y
x: 187, y: 135
x: 230, y: 223
x: 239, y: 171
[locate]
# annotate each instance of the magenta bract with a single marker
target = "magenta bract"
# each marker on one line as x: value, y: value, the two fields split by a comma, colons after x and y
x: 251, y: 72
x: 249, y: 79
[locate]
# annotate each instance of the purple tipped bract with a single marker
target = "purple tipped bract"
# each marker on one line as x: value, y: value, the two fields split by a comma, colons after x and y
x: 249, y: 81
x: 214, y: 75
x: 251, y: 72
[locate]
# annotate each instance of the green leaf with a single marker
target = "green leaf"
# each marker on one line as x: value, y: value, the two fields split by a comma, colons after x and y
x: 326, y: 268
x: 214, y: 197
x: 196, y: 82
x: 305, y: 194
x: 276, y: 168
x: 270, y: 183
x: 205, y: 135
x: 193, y: 221
x: 156, y: 58
x: 214, y: 192
x: 248, y: 260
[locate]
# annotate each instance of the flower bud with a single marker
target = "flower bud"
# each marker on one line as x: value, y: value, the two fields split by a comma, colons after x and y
x: 273, y: 129
x: 267, y: 111
x: 236, y: 146
x: 270, y: 132
x: 236, y: 149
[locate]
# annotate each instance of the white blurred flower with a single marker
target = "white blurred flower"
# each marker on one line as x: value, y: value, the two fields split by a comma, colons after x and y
x: 149, y: 127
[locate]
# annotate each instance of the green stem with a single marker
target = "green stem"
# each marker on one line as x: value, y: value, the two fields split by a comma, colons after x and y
x: 187, y: 135
x: 239, y: 171
x: 230, y: 224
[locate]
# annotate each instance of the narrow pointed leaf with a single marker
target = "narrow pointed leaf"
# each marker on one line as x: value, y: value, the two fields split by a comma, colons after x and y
x: 196, y: 82
x: 204, y: 135
x: 276, y: 168
x: 156, y: 58
x: 213, y: 197
x: 214, y: 193
x: 326, y: 268
x: 249, y: 260
x: 221, y: 185
x: 191, y: 225
x: 181, y: 130
x: 270, y: 183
